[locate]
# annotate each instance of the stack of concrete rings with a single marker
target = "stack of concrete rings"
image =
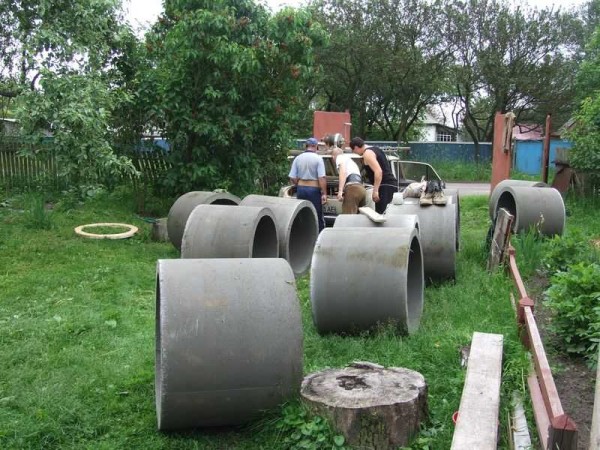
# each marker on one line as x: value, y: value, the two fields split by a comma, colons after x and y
x: 184, y: 205
x: 219, y: 231
x: 228, y: 340
x: 297, y: 227
x: 500, y: 187
x: 542, y: 209
x: 362, y: 277
x: 437, y: 227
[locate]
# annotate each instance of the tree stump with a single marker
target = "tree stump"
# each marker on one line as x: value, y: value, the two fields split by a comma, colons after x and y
x: 373, y: 407
x: 159, y: 231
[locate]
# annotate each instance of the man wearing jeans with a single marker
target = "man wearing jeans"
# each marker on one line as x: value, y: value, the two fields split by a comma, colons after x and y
x: 308, y: 175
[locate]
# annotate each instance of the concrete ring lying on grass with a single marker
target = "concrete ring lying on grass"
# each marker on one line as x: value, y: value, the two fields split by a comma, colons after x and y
x: 228, y: 340
x: 184, y: 205
x: 501, y: 187
x: 131, y: 230
x: 297, y: 227
x: 362, y: 277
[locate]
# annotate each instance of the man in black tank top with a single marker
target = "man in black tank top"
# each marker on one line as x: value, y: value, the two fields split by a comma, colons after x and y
x: 378, y: 172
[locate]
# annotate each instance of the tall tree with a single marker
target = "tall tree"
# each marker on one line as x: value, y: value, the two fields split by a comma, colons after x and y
x: 511, y: 59
x: 58, y: 61
x: 229, y: 77
x: 387, y: 61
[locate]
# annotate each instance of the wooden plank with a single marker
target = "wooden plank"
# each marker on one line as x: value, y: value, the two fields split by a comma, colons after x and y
x: 514, y: 271
x: 477, y: 424
x: 372, y: 214
x: 540, y: 414
x: 500, y: 239
x: 542, y: 368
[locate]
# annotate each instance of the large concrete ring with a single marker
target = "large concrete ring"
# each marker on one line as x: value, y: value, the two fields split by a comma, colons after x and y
x: 184, y: 205
x: 452, y: 197
x: 542, y: 209
x: 410, y: 221
x: 297, y: 228
x: 362, y: 277
x: 228, y: 340
x: 502, y: 185
x: 438, y: 237
x: 219, y: 231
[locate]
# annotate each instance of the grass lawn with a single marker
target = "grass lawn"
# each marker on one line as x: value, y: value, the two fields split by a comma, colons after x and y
x: 77, y: 323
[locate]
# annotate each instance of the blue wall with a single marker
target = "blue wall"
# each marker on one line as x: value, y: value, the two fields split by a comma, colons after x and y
x: 528, y: 154
x: 435, y: 151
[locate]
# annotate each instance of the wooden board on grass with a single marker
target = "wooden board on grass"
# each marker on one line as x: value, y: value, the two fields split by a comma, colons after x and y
x: 477, y: 423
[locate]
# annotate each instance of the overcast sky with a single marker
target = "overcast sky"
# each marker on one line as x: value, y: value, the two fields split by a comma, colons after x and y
x: 142, y: 12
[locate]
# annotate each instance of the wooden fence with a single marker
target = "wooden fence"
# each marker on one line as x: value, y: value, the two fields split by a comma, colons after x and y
x: 556, y: 430
x: 17, y: 171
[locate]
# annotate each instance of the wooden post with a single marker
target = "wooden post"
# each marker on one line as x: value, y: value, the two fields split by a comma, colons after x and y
x: 500, y: 239
x: 546, y: 152
x: 595, y: 433
x: 501, y: 148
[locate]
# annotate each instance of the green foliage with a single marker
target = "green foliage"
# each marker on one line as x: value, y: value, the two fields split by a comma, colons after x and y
x: 38, y: 217
x: 508, y: 59
x: 585, y: 154
x: 75, y: 108
x: 562, y: 252
x: 229, y: 79
x: 385, y: 91
x: 574, y: 298
x: 461, y: 171
x: 301, y: 430
x: 529, y: 247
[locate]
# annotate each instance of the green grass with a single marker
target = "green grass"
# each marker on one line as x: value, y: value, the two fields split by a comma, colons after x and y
x: 77, y: 336
x: 451, y: 171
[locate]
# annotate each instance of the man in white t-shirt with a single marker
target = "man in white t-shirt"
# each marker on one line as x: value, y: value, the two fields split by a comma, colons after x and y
x: 351, y: 191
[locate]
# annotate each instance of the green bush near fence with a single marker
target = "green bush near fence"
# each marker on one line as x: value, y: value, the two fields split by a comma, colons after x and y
x: 574, y: 298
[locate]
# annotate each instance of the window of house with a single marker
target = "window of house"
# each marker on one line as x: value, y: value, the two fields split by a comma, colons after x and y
x: 444, y: 136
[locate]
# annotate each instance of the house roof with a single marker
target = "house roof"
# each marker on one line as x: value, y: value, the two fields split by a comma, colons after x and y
x: 528, y: 132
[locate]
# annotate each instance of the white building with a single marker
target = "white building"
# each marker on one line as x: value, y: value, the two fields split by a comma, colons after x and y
x: 435, y: 128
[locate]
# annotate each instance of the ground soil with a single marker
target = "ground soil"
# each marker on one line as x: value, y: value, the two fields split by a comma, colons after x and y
x: 574, y: 380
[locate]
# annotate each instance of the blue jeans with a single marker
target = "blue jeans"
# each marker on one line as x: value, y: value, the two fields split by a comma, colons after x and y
x: 313, y: 195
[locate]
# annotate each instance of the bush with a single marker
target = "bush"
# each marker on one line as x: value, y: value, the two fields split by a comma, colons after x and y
x: 562, y: 252
x: 574, y: 299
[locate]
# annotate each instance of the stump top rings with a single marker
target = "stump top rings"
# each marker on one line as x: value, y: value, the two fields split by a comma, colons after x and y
x: 131, y: 230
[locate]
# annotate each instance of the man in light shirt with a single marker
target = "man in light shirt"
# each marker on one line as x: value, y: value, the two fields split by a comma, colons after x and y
x: 308, y: 175
x: 351, y: 191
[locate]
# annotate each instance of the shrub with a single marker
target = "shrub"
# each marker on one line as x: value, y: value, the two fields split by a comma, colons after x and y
x: 561, y: 252
x: 37, y: 216
x: 574, y: 299
x: 529, y: 248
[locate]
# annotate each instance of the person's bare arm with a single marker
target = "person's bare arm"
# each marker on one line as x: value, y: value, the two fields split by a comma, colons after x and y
x: 370, y: 159
x: 323, y: 184
x: 342, y: 175
x: 294, y: 181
